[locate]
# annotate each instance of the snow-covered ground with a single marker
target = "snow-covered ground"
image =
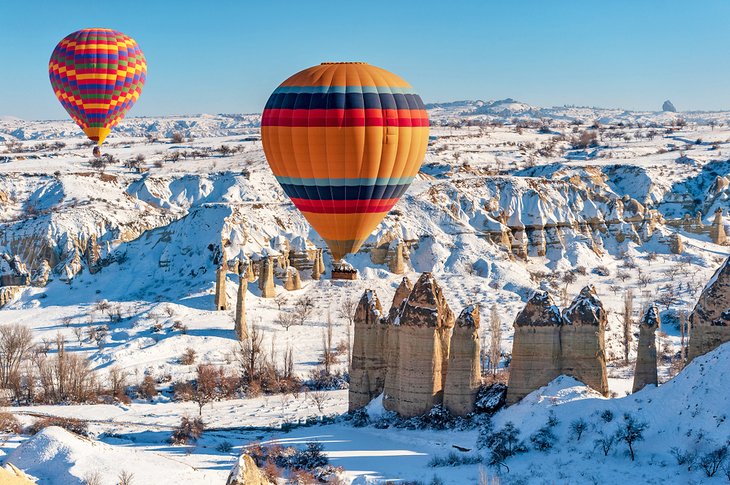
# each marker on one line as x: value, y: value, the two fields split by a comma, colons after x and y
x: 158, y: 230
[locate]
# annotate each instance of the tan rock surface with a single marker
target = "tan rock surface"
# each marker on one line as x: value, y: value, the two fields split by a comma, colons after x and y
x: 266, y: 278
x: 245, y: 472
x: 221, y: 299
x: 368, y: 367
x: 464, y: 371
x: 646, y: 357
x: 710, y: 319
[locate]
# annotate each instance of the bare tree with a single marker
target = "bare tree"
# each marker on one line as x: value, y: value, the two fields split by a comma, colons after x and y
x: 250, y: 355
x: 346, y: 311
x: 204, y: 390
x: 16, y: 342
x: 287, y: 319
x: 318, y: 398
x: 303, y: 308
x: 627, y: 323
x: 125, y: 478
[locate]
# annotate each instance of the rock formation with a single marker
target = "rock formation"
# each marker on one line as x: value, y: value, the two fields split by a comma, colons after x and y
x: 676, y: 245
x: 582, y: 340
x: 710, y: 319
x: 13, y: 272
x: 717, y: 230
x: 266, y: 277
x: 423, y: 329
x: 463, y: 376
x: 292, y: 281
x: 92, y: 254
x: 395, y: 257
x: 646, y: 358
x: 316, y: 266
x: 245, y: 472
x: 240, y: 326
x: 368, y: 367
x: 547, y: 344
x: 668, y: 106
x: 536, y: 347
x: 301, y: 254
x: 221, y: 299
x: 401, y: 293
x: 10, y: 475
x: 8, y: 293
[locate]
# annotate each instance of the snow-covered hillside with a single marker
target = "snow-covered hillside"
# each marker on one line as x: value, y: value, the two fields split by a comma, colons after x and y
x: 511, y: 198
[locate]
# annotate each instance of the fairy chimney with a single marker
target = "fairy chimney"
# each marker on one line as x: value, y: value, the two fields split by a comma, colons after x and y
x: 582, y: 337
x: 221, y: 300
x: 646, y: 358
x: 717, y: 230
x: 316, y: 266
x: 423, y: 329
x: 240, y: 326
x: 536, y: 347
x: 292, y: 281
x: 463, y: 377
x: 710, y: 319
x: 368, y: 367
x: 266, y: 277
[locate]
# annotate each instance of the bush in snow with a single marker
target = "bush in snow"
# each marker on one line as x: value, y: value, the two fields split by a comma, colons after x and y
x: 360, y: 418
x: 454, y: 459
x: 9, y: 423
x: 69, y: 424
x: 189, y: 430
x: 712, y: 462
x: 224, y: 447
x: 605, y: 442
x: 607, y: 416
x: 504, y: 443
x: 578, y: 427
x: 188, y: 358
x: 683, y: 457
x: 485, y: 432
x: 631, y: 431
x: 543, y: 439
x: 491, y: 398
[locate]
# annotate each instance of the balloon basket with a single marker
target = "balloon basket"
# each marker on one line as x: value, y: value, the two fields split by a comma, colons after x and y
x: 343, y: 272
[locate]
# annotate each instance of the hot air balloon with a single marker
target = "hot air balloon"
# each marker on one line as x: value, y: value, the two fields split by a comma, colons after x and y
x: 97, y: 75
x: 344, y: 140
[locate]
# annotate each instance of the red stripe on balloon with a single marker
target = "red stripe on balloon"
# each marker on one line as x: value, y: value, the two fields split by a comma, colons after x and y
x: 344, y: 206
x: 344, y: 117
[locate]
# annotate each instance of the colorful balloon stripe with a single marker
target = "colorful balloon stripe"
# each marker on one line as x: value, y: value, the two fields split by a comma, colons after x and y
x: 344, y: 140
x: 97, y: 75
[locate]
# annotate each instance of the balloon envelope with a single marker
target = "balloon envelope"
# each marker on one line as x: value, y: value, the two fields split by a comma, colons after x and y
x: 97, y: 75
x: 344, y: 140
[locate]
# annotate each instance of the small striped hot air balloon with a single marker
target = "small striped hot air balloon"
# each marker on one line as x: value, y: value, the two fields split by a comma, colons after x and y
x: 97, y: 75
x: 344, y: 140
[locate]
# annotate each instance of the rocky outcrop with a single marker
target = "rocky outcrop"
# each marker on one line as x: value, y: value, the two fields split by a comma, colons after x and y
x: 10, y: 475
x: 245, y: 472
x: 368, y: 367
x: 8, y: 294
x: 221, y: 299
x: 717, y: 230
x: 92, y: 254
x: 266, y: 277
x: 669, y: 107
x: 317, y: 265
x: 646, y: 357
x: 292, y: 280
x: 536, y: 347
x: 401, y: 293
x: 423, y: 329
x: 13, y: 272
x: 548, y: 344
x: 582, y: 340
x: 463, y: 376
x: 710, y: 319
x: 676, y: 245
x: 395, y: 257
x: 302, y: 254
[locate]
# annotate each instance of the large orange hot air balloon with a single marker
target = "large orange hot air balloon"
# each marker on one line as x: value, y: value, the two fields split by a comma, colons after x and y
x: 344, y: 140
x: 97, y: 75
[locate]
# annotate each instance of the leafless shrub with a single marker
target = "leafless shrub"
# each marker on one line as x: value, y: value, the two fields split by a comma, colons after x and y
x: 188, y: 357
x: 69, y: 424
x: 190, y: 429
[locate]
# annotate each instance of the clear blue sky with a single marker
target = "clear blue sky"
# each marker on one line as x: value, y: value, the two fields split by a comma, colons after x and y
x: 227, y: 56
